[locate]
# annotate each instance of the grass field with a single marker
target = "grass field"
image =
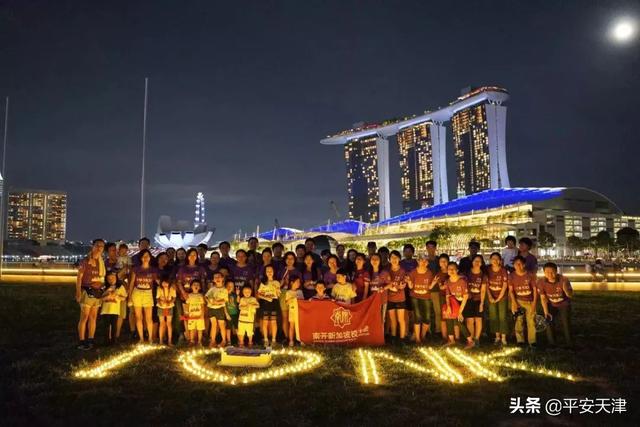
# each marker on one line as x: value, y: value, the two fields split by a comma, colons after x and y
x: 38, y: 355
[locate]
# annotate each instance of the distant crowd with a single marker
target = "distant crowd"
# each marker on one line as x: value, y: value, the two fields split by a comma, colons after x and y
x: 184, y: 297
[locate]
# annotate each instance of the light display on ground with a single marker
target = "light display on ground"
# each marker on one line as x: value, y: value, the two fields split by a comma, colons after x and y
x: 450, y: 365
x: 442, y: 365
x: 101, y: 370
x: 189, y: 362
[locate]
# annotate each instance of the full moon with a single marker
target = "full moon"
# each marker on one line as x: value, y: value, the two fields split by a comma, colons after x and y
x: 623, y: 30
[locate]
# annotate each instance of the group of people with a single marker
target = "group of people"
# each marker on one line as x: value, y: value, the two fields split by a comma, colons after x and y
x: 186, y: 293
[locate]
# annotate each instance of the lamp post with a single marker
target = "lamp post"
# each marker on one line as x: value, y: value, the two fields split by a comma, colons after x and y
x: 2, y: 186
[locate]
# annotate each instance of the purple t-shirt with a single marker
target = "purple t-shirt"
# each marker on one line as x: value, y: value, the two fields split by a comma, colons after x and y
x: 242, y: 276
x: 145, y: 278
x: 188, y: 273
x: 408, y: 265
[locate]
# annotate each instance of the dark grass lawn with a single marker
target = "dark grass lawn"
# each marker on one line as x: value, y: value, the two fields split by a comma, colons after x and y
x: 37, y: 350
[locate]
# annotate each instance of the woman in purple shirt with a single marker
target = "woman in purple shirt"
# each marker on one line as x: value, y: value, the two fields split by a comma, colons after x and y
x: 286, y: 276
x: 310, y: 276
x: 329, y: 276
x: 141, y: 282
x: 190, y: 271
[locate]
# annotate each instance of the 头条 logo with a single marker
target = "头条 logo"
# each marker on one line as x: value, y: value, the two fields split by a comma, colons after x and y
x: 341, y: 317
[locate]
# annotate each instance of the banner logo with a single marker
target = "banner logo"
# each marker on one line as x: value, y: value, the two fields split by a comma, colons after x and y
x: 341, y: 317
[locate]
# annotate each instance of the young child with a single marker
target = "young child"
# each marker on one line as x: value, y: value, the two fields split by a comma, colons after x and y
x: 217, y: 298
x: 320, y: 292
x: 292, y: 297
x: 268, y: 294
x: 509, y: 252
x: 165, y: 301
x: 112, y: 298
x: 248, y: 306
x: 195, y: 314
x: 124, y: 264
x: 232, y: 310
x: 342, y: 291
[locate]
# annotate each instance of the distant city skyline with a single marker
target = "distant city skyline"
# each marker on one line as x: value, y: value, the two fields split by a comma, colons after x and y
x: 36, y: 214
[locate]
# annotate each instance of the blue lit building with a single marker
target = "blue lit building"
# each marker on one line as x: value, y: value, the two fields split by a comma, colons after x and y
x: 489, y: 216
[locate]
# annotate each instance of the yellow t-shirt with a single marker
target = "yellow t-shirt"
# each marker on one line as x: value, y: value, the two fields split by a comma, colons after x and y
x: 216, y: 293
x: 194, y: 306
x: 269, y: 290
x: 343, y: 292
x: 248, y: 307
x: 165, y: 298
x: 112, y: 298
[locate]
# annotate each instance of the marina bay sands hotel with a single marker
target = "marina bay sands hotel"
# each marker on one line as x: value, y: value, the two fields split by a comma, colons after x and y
x: 478, y: 123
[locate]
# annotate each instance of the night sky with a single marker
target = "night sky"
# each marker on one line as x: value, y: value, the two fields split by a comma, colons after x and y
x: 242, y: 92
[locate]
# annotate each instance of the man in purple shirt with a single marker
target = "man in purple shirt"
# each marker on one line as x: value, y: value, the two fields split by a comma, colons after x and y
x: 143, y: 244
x: 408, y: 263
x: 225, y: 260
x: 530, y: 261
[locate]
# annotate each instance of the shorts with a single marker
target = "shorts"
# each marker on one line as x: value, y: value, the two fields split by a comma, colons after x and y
x: 234, y: 320
x: 195, y: 325
x: 164, y: 312
x: 269, y: 309
x: 142, y: 298
x: 471, y: 309
x: 401, y: 305
x: 407, y: 299
x: 422, y: 308
x: 89, y: 301
x: 245, y: 328
x: 218, y: 313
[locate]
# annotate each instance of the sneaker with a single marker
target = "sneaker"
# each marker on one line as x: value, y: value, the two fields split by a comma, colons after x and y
x: 83, y: 346
x: 89, y: 344
x: 470, y: 344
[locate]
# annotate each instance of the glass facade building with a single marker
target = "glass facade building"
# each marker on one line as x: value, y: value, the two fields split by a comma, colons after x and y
x: 416, y: 167
x: 471, y: 150
x: 362, y: 178
x: 36, y: 215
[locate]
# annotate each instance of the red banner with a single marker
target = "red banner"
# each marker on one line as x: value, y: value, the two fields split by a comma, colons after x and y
x: 329, y: 322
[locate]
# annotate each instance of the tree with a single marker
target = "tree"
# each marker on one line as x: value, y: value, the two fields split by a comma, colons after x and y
x: 602, y: 240
x: 575, y: 243
x: 545, y: 240
x: 628, y: 238
x: 440, y: 234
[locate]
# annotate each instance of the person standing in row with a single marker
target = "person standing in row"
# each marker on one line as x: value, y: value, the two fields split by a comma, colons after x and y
x: 555, y: 296
x: 498, y: 294
x: 396, y: 297
x: 509, y: 252
x: 286, y: 276
x: 474, y: 309
x: 524, y: 297
x: 457, y: 296
x: 185, y: 276
x: 89, y: 287
x: 141, y: 285
x: 525, y: 245
x: 465, y: 263
x: 420, y: 281
x: 438, y: 294
x: 361, y: 277
x: 225, y: 259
